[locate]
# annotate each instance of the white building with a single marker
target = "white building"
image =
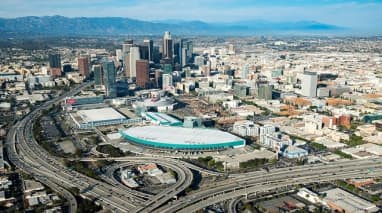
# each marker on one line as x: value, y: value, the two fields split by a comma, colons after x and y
x: 309, y: 195
x: 167, y: 82
x: 245, y: 128
x: 244, y: 71
x: 199, y: 60
x: 134, y: 56
x: 309, y: 84
x: 118, y: 54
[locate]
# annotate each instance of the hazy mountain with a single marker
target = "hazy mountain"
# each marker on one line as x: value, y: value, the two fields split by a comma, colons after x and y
x: 63, y: 26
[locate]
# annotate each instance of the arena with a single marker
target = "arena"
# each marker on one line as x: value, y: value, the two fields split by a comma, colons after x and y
x: 180, y: 138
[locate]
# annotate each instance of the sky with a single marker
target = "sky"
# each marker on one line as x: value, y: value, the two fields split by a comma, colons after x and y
x: 357, y: 14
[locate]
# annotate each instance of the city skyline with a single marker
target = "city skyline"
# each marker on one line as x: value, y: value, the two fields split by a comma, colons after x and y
x: 190, y: 106
x: 356, y: 15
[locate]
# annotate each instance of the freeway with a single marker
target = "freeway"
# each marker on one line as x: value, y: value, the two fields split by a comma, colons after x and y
x: 31, y: 170
x: 232, y: 204
x: 155, y: 158
x: 25, y: 153
x: 185, y: 178
x: 263, y: 187
x: 275, y: 178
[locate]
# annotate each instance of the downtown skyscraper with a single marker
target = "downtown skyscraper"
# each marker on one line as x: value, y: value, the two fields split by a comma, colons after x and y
x: 83, y: 66
x: 150, y: 46
x: 167, y: 48
x: 109, y: 79
x: 55, y: 65
x: 143, y: 78
x: 309, y: 84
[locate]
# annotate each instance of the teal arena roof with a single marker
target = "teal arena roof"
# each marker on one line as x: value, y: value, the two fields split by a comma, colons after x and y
x: 168, y: 137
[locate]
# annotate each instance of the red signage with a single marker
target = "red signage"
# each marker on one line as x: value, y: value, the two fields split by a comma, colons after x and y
x: 71, y: 101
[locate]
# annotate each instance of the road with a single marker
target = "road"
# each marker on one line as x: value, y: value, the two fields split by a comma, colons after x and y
x: 184, y: 180
x: 25, y: 153
x: 275, y: 178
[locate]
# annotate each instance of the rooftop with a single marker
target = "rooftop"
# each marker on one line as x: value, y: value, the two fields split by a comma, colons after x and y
x: 162, y: 118
x: 94, y: 115
x: 180, y: 135
x: 348, y: 201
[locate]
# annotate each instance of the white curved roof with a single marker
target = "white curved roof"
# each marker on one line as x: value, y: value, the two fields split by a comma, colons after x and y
x: 181, y: 135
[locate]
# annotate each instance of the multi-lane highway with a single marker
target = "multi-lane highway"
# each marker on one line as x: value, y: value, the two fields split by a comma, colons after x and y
x: 184, y: 180
x: 275, y: 178
x: 25, y: 153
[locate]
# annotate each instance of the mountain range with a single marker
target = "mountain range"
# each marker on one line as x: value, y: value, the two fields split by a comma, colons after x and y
x: 99, y: 26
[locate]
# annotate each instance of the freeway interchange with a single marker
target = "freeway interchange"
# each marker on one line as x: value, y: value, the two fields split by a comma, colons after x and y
x: 27, y: 155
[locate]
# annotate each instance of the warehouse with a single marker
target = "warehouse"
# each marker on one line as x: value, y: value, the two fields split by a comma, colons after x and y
x: 86, y: 119
x: 179, y: 138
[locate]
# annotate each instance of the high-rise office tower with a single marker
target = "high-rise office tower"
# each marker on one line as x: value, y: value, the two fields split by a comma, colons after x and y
x: 184, y: 60
x: 109, y: 79
x: 157, y: 54
x: 55, y: 61
x: 166, y: 81
x: 134, y: 56
x: 158, y: 78
x: 167, y: 50
x: 126, y: 56
x: 309, y: 84
x: 186, y: 49
x: 126, y: 65
x: 177, y: 53
x: 150, y: 45
x: 143, y: 77
x: 83, y: 66
x: 126, y: 45
x: 264, y: 91
x: 55, y: 65
x: 190, y: 50
x: 66, y: 67
x: 244, y: 71
x: 144, y: 52
x: 118, y: 54
x: 98, y: 75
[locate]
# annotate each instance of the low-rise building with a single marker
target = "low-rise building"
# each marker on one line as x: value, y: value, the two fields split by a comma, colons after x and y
x: 151, y: 169
x: 366, y: 130
x: 294, y: 152
x: 161, y: 119
x: 359, y: 182
x: 87, y: 119
x: 309, y: 195
x: 343, y: 201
